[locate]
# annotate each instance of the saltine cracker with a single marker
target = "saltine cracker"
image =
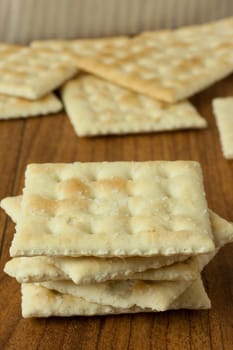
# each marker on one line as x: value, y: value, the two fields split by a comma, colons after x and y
x: 159, y: 208
x: 223, y: 111
x: 97, y: 107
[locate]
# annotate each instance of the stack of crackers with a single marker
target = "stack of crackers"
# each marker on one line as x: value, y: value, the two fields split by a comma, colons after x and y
x: 109, y: 238
x: 140, y: 84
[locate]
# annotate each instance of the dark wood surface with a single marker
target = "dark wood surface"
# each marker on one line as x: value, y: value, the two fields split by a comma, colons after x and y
x: 52, y: 139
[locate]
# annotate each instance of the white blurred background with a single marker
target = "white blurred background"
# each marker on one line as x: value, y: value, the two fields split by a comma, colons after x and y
x: 24, y: 20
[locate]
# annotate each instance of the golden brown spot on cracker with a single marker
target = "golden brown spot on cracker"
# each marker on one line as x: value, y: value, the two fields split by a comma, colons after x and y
x: 73, y: 188
x: 115, y: 183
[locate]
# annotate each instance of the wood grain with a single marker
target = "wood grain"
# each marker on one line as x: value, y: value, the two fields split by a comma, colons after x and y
x: 52, y: 139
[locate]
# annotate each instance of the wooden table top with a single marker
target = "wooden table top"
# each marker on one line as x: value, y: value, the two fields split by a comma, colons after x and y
x: 52, y: 139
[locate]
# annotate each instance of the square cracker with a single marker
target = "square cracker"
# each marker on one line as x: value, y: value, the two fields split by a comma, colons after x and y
x: 33, y: 73
x: 113, y: 209
x: 16, y: 107
x: 96, y: 270
x: 96, y: 107
x: 38, y: 301
x: 223, y: 111
x: 92, y: 270
x: 169, y: 65
x: 124, y: 294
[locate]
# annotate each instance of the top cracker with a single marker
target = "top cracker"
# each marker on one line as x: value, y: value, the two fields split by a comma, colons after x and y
x: 113, y: 209
x: 169, y: 65
x: 32, y: 73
